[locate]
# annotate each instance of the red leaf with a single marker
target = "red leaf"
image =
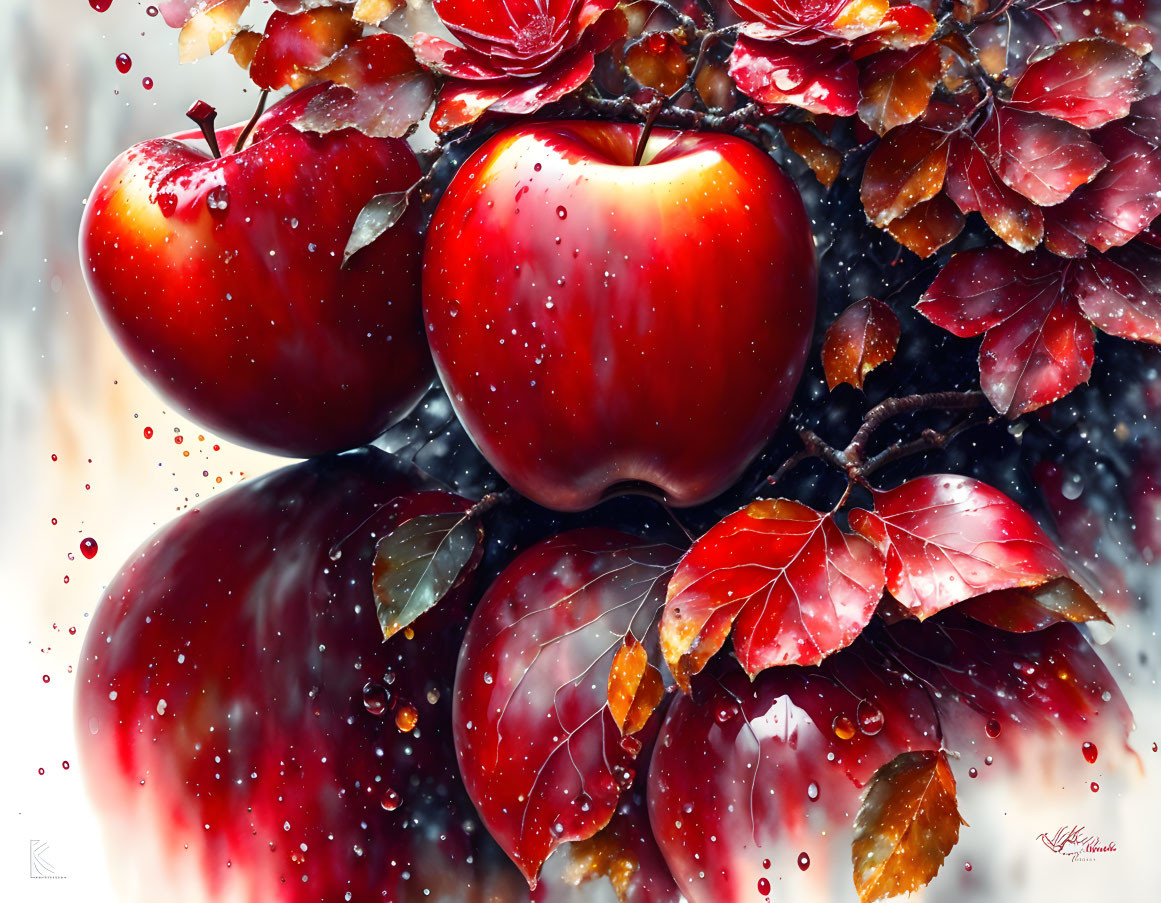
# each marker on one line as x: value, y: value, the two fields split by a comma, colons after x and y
x: 895, y: 87
x: 379, y: 89
x: 1042, y: 158
x: 745, y: 771
x: 1124, y: 198
x: 1037, y: 346
x: 295, y: 46
x: 973, y: 186
x: 816, y: 78
x: 864, y: 336
x: 1120, y: 292
x: 1089, y: 83
x: 927, y: 227
x: 538, y: 749
x: 947, y: 538
x: 1035, y: 608
x: 908, y: 166
x: 907, y: 824
x: 797, y: 587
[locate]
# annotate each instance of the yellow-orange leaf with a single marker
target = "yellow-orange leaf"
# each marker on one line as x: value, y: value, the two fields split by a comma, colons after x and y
x: 372, y: 12
x: 823, y: 160
x: 243, y: 47
x: 906, y: 826
x: 209, y: 30
x: 1027, y: 609
x: 864, y: 336
x: 635, y: 687
x: 927, y: 227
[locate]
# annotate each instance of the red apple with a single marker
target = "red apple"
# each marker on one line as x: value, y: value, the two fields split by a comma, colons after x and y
x: 222, y: 281
x: 234, y: 707
x: 603, y: 327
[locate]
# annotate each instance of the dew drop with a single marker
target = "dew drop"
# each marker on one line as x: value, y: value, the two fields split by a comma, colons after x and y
x: 870, y: 717
x: 972, y: 772
x: 65, y: 764
x: 988, y: 760
x: 726, y: 713
x: 46, y: 678
x: 843, y: 727
x: 1089, y: 751
x: 765, y: 863
x: 151, y: 11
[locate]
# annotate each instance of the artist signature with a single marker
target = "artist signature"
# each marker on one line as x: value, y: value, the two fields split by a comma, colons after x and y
x: 1076, y: 843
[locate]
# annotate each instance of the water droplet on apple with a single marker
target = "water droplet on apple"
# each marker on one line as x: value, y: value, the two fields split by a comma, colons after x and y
x: 992, y: 728
x: 870, y: 717
x: 100, y: 5
x: 843, y: 727
x: 218, y: 199
x: 1089, y: 751
x: 812, y: 791
x: 562, y: 213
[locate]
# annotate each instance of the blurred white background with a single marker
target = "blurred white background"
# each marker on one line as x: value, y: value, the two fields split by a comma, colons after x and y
x: 65, y: 111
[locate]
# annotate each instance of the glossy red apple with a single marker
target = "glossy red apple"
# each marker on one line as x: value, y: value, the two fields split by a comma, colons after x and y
x: 222, y: 281
x: 603, y: 327
x: 239, y: 714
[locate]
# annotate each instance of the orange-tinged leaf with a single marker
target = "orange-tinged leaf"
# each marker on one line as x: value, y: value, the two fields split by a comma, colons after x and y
x: 823, y: 160
x: 908, y: 166
x: 793, y: 587
x: 294, y: 47
x: 927, y: 227
x: 244, y: 46
x: 635, y: 687
x: 209, y: 30
x: 1024, y: 610
x: 896, y: 87
x: 658, y: 61
x: 864, y: 336
x: 372, y: 12
x: 906, y: 826
x: 974, y: 186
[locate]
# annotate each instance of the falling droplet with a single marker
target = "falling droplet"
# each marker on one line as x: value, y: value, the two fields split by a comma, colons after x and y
x: 562, y: 213
x: 992, y: 728
x: 967, y: 866
x: 988, y: 760
x: 812, y: 791
x: 1094, y: 786
x: 46, y: 678
x: 803, y: 861
x: 763, y: 885
x: 147, y: 83
x: 1089, y: 751
x: 406, y: 717
x: 89, y: 550
x: 151, y: 11
x: 843, y: 727
x: 124, y: 63
x: 972, y: 772
x: 390, y: 801
x: 765, y: 863
x: 100, y: 5
x: 147, y: 432
x: 870, y: 718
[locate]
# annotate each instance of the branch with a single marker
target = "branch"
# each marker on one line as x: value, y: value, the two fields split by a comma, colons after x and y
x: 856, y: 451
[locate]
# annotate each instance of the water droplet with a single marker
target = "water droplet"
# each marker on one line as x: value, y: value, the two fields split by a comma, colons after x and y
x: 763, y: 885
x: 988, y: 760
x: 89, y: 548
x: 218, y: 199
x: 147, y: 432
x: 1094, y: 786
x: 538, y: 167
x: 967, y: 866
x: 151, y: 11
x: 375, y: 698
x: 147, y: 83
x: 972, y: 772
x: 1089, y: 751
x: 178, y: 439
x: 488, y: 678
x: 870, y: 717
x: 992, y: 728
x: 390, y: 801
x: 726, y: 713
x: 803, y: 861
x: 124, y: 63
x: 65, y: 764
x: 406, y: 717
x: 843, y: 727
x: 46, y: 678
x: 765, y: 863
x: 631, y: 745
x: 100, y: 5
x: 562, y: 213
x: 812, y: 791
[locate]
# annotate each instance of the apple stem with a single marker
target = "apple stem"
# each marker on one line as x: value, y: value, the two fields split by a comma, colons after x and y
x: 246, y: 132
x: 203, y: 116
x: 654, y: 110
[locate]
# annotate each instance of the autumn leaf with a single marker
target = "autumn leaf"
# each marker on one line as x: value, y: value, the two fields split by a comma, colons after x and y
x: 947, y: 538
x: 906, y: 826
x: 823, y: 160
x: 895, y: 87
x: 209, y: 29
x: 790, y: 583
x: 816, y: 78
x: 372, y: 12
x: 975, y: 187
x: 635, y: 687
x: 1037, y: 345
x: 927, y: 227
x: 1089, y: 83
x: 295, y: 46
x: 863, y: 336
x: 1024, y: 610
x: 1120, y: 292
x: 424, y: 558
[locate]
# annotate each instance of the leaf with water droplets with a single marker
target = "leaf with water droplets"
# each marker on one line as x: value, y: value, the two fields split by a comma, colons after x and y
x: 974, y: 186
x: 906, y: 826
x: 947, y: 538
x: 377, y: 216
x: 793, y: 587
x: 863, y: 336
x: 295, y: 46
x: 423, y: 559
x: 1120, y: 292
x: 1027, y: 609
x: 818, y: 78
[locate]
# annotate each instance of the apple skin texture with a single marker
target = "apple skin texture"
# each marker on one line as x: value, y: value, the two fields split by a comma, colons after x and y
x: 242, y: 315
x: 600, y: 326
x: 220, y: 715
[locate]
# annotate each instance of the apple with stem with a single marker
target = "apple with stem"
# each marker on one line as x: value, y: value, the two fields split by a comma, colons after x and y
x: 612, y: 309
x: 218, y: 266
